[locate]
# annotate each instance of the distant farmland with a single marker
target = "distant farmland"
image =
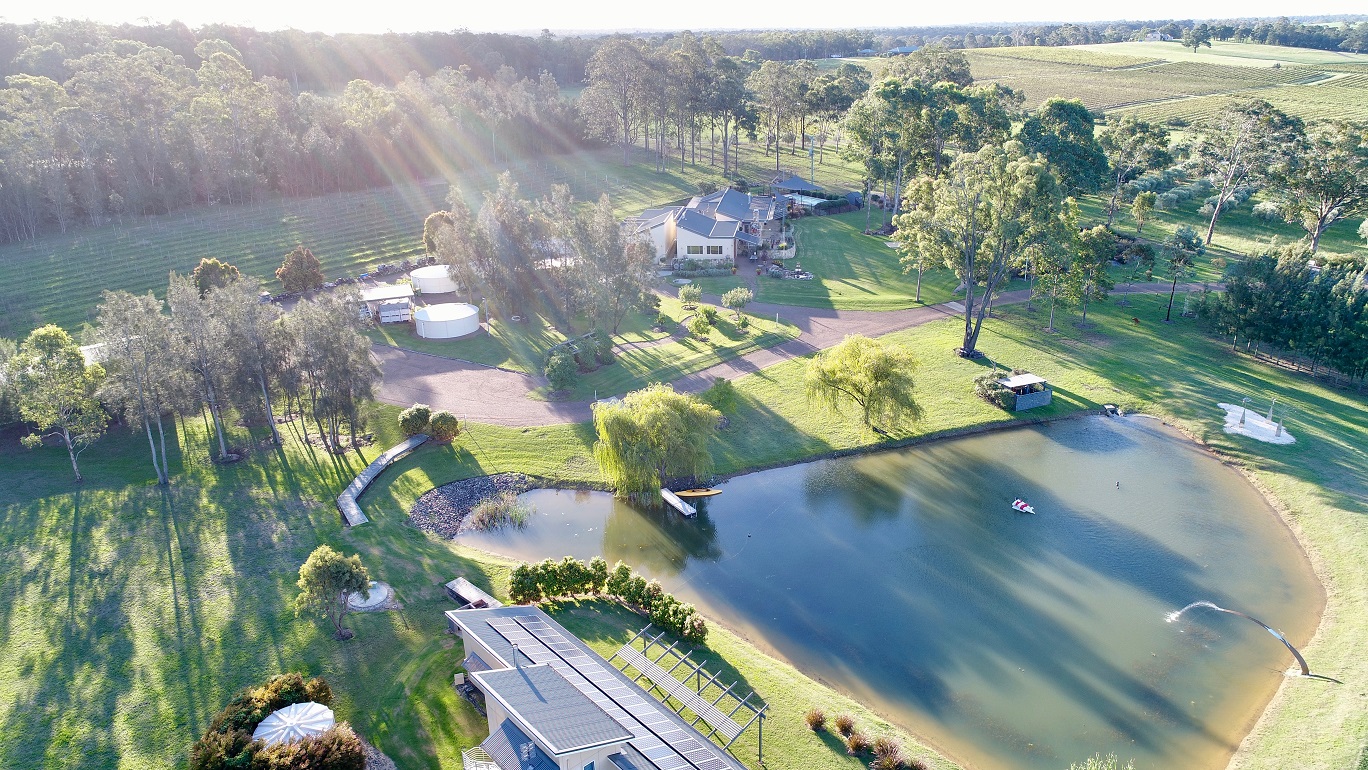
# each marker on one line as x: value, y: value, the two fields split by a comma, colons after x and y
x: 1162, y: 81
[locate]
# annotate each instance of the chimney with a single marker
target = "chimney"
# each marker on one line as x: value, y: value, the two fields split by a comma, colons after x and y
x: 516, y: 662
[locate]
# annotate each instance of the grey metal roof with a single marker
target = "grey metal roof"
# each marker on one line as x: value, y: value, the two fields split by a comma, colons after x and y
x: 702, y: 224
x: 558, y: 713
x: 745, y: 237
x: 630, y: 759
x: 511, y: 749
x: 791, y: 182
x: 729, y: 203
x: 624, y: 700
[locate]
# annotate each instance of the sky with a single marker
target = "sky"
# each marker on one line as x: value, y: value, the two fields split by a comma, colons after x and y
x: 602, y: 15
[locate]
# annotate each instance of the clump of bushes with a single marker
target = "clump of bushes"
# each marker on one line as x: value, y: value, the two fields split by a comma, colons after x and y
x: 987, y: 387
x: 443, y: 426
x: 561, y: 371
x: 504, y: 509
x: 856, y: 744
x: 228, y: 741
x: 552, y: 579
x: 845, y: 724
x: 603, y: 347
x: 664, y: 321
x: 700, y: 326
x: 1267, y: 211
x: 721, y: 395
x: 709, y: 312
x: 707, y: 272
x: 887, y: 754
x: 815, y: 719
x: 415, y: 419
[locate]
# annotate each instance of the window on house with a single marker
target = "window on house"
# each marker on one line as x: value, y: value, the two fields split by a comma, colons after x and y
x: 589, y: 766
x: 715, y: 250
x: 695, y: 249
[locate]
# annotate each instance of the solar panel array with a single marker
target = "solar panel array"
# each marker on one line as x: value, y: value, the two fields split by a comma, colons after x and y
x: 680, y: 692
x: 667, y: 744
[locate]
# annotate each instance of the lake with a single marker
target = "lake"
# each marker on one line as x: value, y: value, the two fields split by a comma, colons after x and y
x: 1010, y: 641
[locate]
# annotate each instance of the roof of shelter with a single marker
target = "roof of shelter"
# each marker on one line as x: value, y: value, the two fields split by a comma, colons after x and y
x: 562, y: 716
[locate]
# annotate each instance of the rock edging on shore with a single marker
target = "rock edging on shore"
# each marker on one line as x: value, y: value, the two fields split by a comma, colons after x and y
x: 442, y: 510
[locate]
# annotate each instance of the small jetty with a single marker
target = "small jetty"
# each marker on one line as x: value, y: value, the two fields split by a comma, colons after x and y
x: 676, y: 503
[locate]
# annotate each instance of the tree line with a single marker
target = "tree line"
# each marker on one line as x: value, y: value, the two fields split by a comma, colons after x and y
x: 211, y: 355
x: 131, y: 129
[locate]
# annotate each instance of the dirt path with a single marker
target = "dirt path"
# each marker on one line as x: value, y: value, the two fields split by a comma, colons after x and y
x: 497, y: 397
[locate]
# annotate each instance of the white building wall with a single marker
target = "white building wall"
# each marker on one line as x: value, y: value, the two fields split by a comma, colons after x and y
x: 702, y: 242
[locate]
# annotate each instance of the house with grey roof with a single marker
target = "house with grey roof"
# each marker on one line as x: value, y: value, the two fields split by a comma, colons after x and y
x: 554, y: 704
x: 713, y: 228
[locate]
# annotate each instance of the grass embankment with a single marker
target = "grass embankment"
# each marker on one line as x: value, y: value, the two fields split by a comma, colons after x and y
x: 130, y: 614
x: 644, y: 355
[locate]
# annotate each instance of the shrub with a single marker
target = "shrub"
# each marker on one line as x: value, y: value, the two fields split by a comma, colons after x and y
x: 603, y: 348
x: 522, y: 585
x: 744, y: 323
x: 549, y: 579
x: 444, y: 426
x: 845, y: 724
x: 1267, y: 211
x: 664, y: 321
x: 709, y: 312
x: 721, y: 395
x: 699, y: 326
x: 705, y: 272
x: 986, y: 387
x: 228, y: 741
x: 690, y: 294
x: 887, y: 754
x: 561, y: 371
x: 504, y: 509
x: 414, y: 420
x: 598, y: 572
x: 815, y: 719
x: 856, y: 744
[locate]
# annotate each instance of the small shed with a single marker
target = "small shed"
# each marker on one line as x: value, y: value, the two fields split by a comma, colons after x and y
x: 464, y: 593
x: 1031, y: 390
x: 372, y: 297
x: 433, y: 279
x: 395, y: 311
x: 447, y: 320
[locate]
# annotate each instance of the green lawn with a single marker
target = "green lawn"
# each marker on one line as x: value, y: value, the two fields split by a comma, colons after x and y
x: 852, y: 271
x: 1242, y: 54
x: 644, y: 354
x: 130, y: 614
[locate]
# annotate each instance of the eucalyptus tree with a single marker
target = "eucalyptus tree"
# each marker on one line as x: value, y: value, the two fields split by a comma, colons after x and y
x: 933, y: 64
x: 1181, y: 250
x: 256, y: 346
x: 1063, y: 130
x: 454, y: 235
x: 56, y: 391
x: 1245, y: 143
x: 981, y: 218
x: 730, y: 104
x: 1089, y: 280
x: 338, y: 375
x: 1132, y: 147
x: 775, y: 86
x: 611, y: 103
x: 1325, y: 178
x: 139, y: 355
x: 204, y: 337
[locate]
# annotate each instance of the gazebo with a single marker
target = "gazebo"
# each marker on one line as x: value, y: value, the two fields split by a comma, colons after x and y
x: 1031, y: 390
x: 294, y: 723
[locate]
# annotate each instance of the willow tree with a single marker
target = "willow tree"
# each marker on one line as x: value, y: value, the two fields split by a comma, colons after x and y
x: 876, y: 377
x: 981, y: 219
x: 651, y: 435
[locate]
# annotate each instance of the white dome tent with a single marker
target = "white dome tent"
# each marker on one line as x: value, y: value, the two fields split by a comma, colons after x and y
x: 293, y: 723
x: 433, y: 279
x: 448, y: 320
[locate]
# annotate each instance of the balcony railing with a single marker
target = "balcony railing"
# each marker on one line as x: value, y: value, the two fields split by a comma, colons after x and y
x: 477, y: 759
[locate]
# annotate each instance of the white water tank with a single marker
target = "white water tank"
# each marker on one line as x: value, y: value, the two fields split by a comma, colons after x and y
x: 447, y: 320
x: 433, y: 279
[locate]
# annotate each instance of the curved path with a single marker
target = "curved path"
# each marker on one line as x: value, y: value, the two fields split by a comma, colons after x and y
x: 500, y: 397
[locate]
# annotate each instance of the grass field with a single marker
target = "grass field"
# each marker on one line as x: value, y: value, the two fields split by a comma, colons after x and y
x: 1239, y: 54
x: 644, y: 355
x: 852, y: 271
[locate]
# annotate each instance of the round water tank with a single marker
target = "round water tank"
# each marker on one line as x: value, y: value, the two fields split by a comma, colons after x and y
x: 433, y: 279
x: 450, y: 319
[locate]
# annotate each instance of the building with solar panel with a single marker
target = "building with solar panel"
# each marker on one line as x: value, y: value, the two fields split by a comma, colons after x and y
x: 554, y: 704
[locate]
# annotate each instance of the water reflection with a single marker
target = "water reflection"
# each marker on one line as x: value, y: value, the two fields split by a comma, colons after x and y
x: 1016, y: 641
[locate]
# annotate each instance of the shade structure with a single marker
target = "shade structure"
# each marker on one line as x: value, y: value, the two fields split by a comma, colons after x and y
x: 447, y: 320
x: 433, y: 279
x: 294, y: 723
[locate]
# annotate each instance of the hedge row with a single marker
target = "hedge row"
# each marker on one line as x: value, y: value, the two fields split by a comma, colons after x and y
x: 228, y: 742
x: 550, y: 579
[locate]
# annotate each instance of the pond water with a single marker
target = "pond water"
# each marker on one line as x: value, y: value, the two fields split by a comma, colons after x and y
x: 1009, y: 640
